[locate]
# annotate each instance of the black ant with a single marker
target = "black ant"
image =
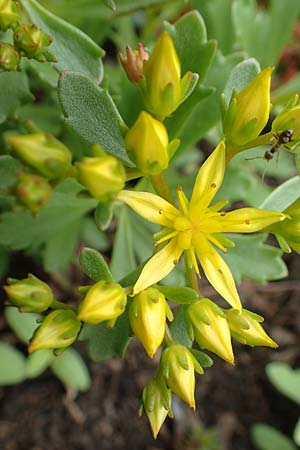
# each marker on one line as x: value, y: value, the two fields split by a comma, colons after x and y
x: 282, y: 138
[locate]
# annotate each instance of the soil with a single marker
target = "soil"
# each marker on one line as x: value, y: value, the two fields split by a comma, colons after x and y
x: 40, y: 415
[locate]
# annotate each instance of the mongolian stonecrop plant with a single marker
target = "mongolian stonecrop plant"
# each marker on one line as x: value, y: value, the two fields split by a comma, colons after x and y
x: 192, y: 229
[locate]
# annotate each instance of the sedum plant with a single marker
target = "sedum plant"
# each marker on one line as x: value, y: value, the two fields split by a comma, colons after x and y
x: 127, y: 164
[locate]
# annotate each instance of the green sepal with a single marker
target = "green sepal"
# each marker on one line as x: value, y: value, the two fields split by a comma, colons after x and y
x: 103, y: 214
x: 283, y: 244
x: 94, y: 265
x: 179, y: 294
x: 204, y: 360
x: 188, y: 84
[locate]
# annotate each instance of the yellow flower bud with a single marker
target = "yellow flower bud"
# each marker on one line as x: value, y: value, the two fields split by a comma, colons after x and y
x: 245, y: 328
x: 33, y: 191
x: 58, y: 331
x: 162, y: 87
x: 43, y: 152
x: 248, y: 111
x: 177, y: 365
x: 287, y: 232
x: 156, y: 403
x: 288, y: 120
x: 103, y: 301
x: 147, y: 144
x: 29, y: 294
x: 9, y: 14
x: 103, y: 176
x: 9, y: 57
x: 208, y: 325
x: 147, y: 316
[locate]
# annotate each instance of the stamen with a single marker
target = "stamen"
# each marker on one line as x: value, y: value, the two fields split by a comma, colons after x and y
x: 219, y: 205
x: 166, y: 238
x: 215, y: 241
x: 182, y: 201
x: 194, y: 261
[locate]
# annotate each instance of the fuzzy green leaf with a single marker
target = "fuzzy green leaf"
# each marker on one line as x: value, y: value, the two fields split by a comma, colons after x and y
x: 13, y: 364
x: 179, y: 294
x: 285, y: 379
x: 105, y: 343
x: 268, y: 438
x: 22, y: 324
x: 90, y: 111
x: 283, y: 196
x: 251, y: 259
x: 72, y: 371
x: 9, y: 167
x: 37, y: 362
x: 94, y: 265
x: 73, y: 49
x: 14, y: 91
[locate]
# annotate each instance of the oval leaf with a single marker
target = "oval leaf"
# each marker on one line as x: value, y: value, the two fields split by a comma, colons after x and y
x: 179, y: 294
x: 94, y: 266
x: 22, y: 324
x: 283, y: 196
x: 13, y: 365
x: 268, y: 438
x: 285, y: 379
x: 37, y: 362
x: 72, y: 371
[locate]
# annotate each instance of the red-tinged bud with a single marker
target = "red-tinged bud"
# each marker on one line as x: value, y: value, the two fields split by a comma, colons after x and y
x: 33, y: 191
x: 33, y: 42
x: 133, y: 62
x: 29, y: 294
x: 9, y: 58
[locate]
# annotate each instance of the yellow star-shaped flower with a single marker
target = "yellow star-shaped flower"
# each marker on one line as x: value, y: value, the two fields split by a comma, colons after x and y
x: 194, y: 226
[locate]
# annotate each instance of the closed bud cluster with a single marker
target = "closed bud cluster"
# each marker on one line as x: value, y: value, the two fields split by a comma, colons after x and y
x: 58, y: 331
x: 156, y: 403
x: 288, y: 232
x: 43, y: 152
x: 133, y: 63
x: 245, y: 327
x: 147, y: 315
x: 9, y: 14
x: 31, y: 40
x: 9, y: 58
x: 30, y: 294
x: 248, y: 111
x: 147, y: 144
x: 103, y: 301
x: 177, y: 367
x: 103, y: 176
x: 162, y: 87
x: 33, y: 191
x: 208, y: 326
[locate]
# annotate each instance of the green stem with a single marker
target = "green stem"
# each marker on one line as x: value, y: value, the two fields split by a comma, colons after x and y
x: 59, y: 305
x: 131, y: 174
x: 191, y: 276
x: 264, y: 139
x: 161, y: 187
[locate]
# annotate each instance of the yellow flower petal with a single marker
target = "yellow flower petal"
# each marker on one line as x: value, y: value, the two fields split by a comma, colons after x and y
x: 150, y: 206
x: 216, y: 270
x: 244, y: 220
x: 209, y: 178
x: 159, y: 266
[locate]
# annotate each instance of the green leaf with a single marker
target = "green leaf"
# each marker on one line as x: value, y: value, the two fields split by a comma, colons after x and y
x: 105, y: 343
x: 203, y: 359
x: 240, y: 76
x: 91, y: 236
x: 37, y: 362
x: 22, y: 324
x: 251, y: 259
x: 178, y: 327
x: 123, y: 257
x: 296, y: 433
x: 179, y: 294
x: 72, y: 371
x: 4, y: 261
x: 14, y: 91
x: 90, y: 111
x: 285, y: 379
x: 9, y: 167
x: 283, y: 196
x: 268, y: 438
x: 73, y: 49
x: 13, y: 363
x: 94, y: 265
x: 104, y: 214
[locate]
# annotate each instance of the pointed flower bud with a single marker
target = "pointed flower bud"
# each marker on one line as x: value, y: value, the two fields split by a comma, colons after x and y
x: 29, y: 294
x: 245, y: 328
x: 43, y: 152
x: 103, y: 301
x: 162, y: 87
x: 133, y: 62
x: 288, y: 120
x: 33, y: 42
x: 58, y: 331
x: 248, y: 111
x: 288, y: 232
x: 177, y: 365
x: 33, y: 191
x: 9, y: 58
x: 208, y: 326
x: 147, y: 144
x: 156, y: 403
x: 9, y: 14
x: 147, y: 316
x: 103, y: 176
